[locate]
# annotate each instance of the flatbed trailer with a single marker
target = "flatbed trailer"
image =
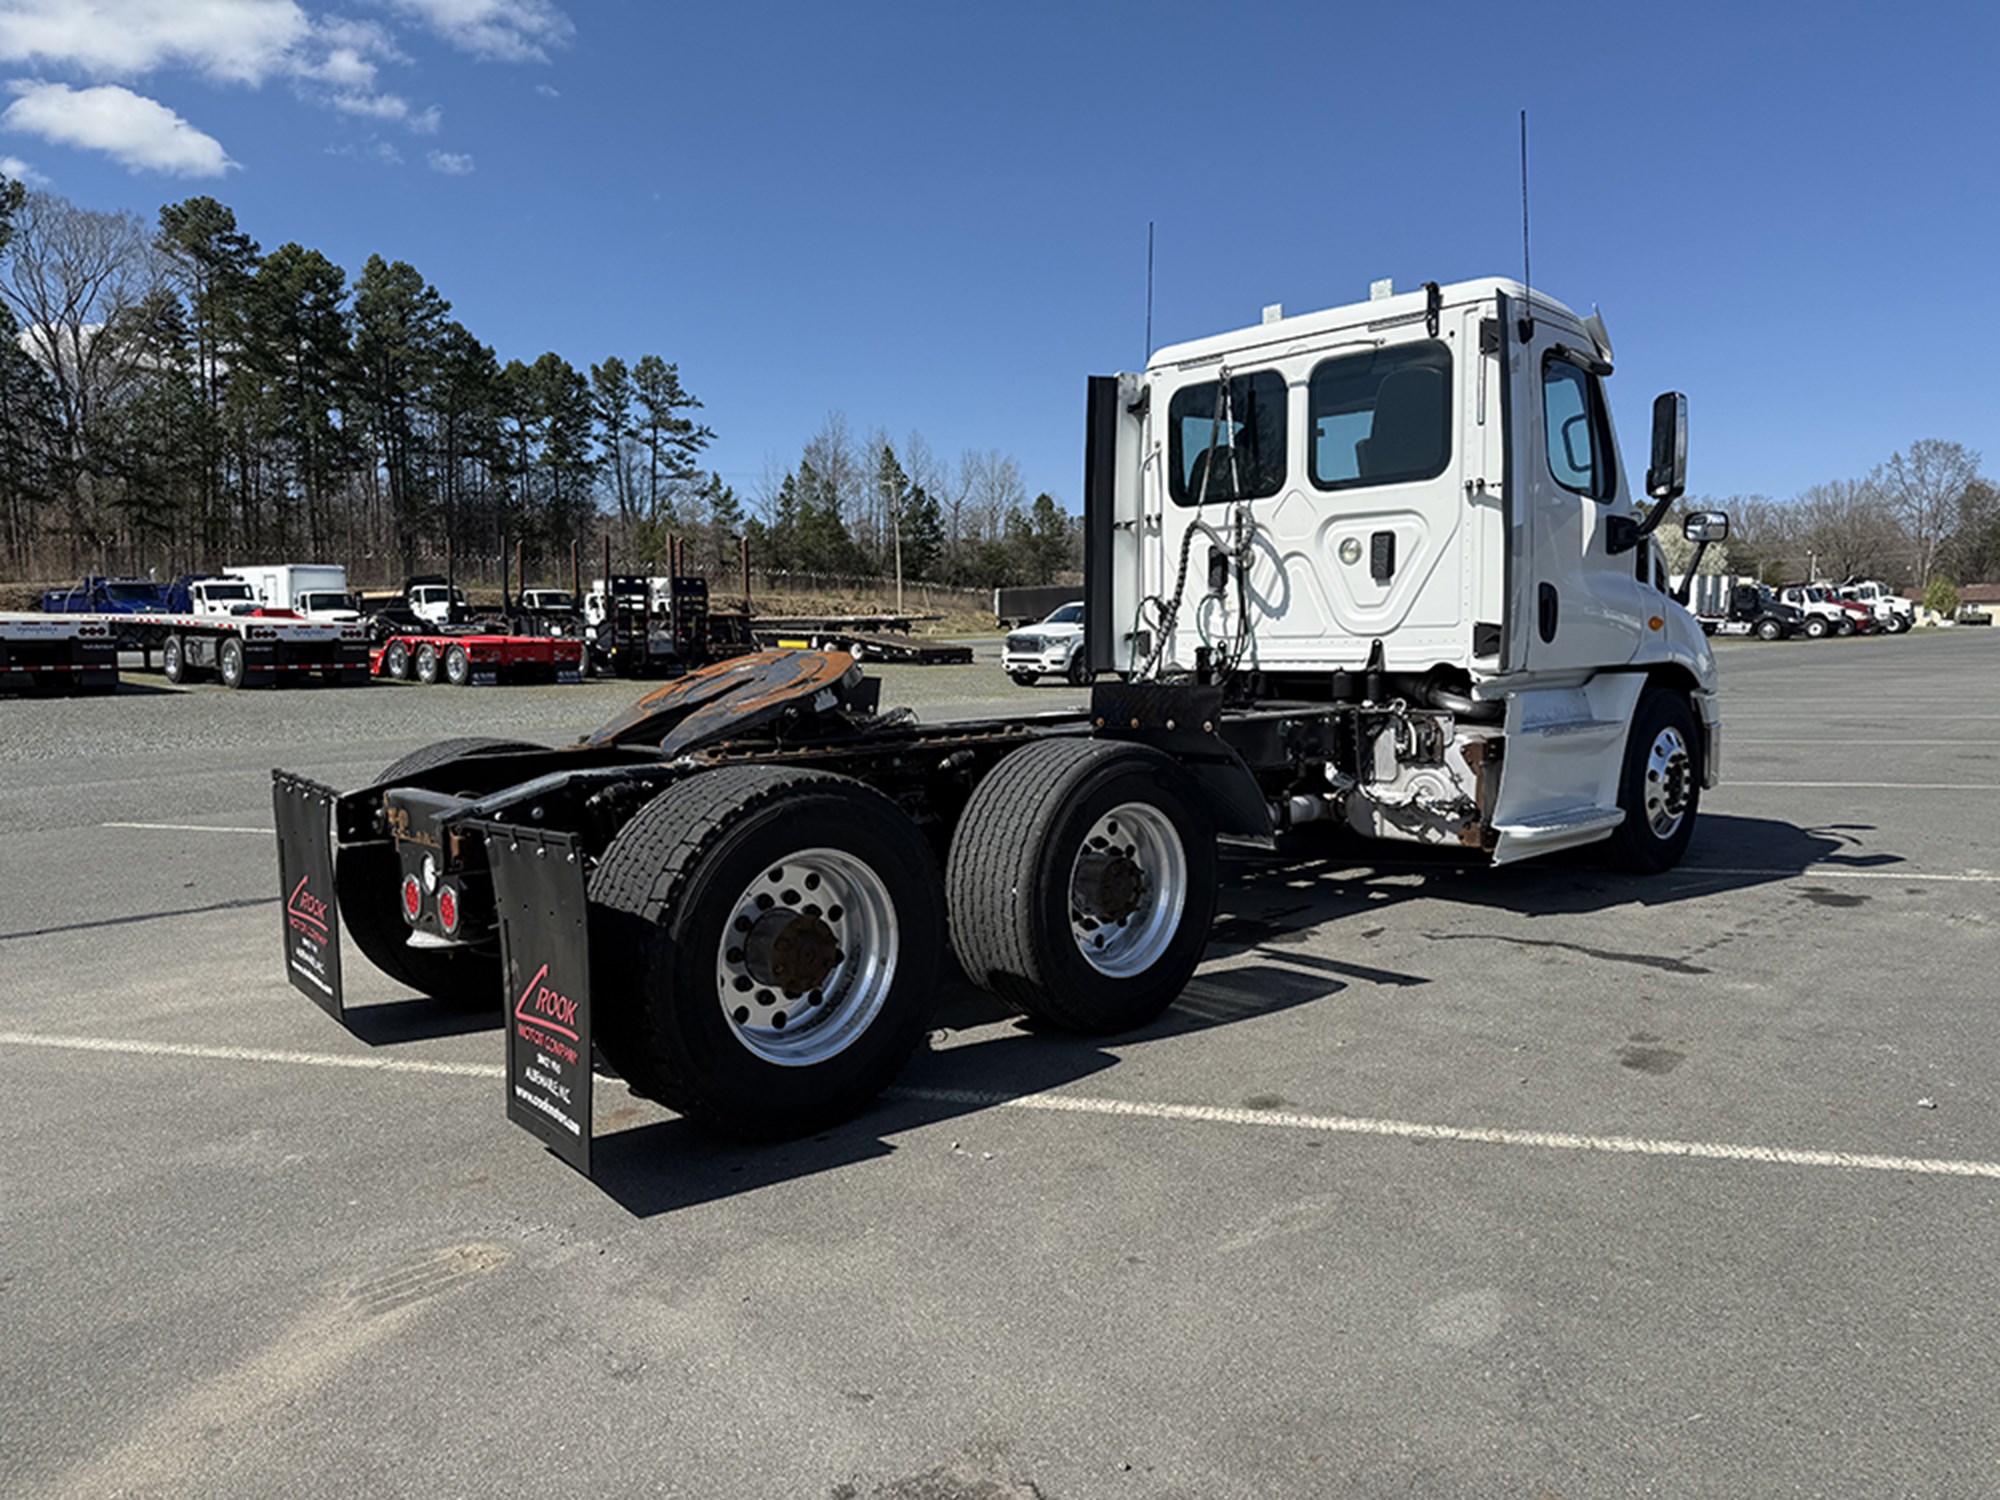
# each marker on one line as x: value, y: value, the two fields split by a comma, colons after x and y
x: 862, y: 645
x: 460, y: 657
x: 56, y: 654
x: 248, y: 650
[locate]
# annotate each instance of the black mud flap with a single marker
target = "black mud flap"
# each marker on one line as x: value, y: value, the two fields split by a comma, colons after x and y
x: 538, y: 889
x: 304, y: 815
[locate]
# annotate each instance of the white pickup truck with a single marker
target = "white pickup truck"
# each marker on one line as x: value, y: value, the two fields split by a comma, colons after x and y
x: 1052, y: 648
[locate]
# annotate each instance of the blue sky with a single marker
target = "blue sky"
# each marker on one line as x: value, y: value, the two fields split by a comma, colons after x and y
x: 933, y: 217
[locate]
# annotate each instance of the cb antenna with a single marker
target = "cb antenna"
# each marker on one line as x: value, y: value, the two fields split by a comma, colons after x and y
x: 1149, y: 290
x: 1527, y: 329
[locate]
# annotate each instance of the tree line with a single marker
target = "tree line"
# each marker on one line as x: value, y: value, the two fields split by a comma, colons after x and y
x: 173, y: 396
x: 1925, y: 514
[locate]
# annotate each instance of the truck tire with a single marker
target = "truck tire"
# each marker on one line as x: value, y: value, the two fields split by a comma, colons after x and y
x: 1815, y: 627
x: 1081, y: 883
x: 1660, y: 786
x: 229, y: 662
x: 396, y: 660
x: 457, y: 666
x: 173, y: 660
x: 427, y: 663
x: 367, y: 879
x: 1770, y: 630
x: 743, y: 902
x: 1079, y: 672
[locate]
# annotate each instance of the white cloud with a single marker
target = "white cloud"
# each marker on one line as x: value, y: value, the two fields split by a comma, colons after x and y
x: 451, y: 163
x: 548, y: 91
x: 231, y: 41
x: 142, y: 133
x: 499, y: 30
x: 382, y: 151
x: 391, y: 107
x: 20, y: 171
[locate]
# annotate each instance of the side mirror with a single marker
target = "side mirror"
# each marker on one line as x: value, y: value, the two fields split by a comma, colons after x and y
x: 1706, y: 526
x: 1666, y: 479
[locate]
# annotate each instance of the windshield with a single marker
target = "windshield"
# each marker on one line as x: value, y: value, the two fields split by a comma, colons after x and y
x: 553, y: 599
x: 226, y: 590
x: 1069, y: 614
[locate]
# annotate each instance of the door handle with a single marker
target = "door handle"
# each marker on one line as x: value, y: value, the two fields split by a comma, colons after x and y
x: 1382, y: 556
x: 1549, y: 612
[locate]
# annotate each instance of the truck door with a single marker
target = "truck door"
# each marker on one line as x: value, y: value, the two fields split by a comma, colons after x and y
x: 1578, y: 605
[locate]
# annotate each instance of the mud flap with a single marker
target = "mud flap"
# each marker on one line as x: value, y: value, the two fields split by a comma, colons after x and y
x: 538, y: 890
x: 304, y: 815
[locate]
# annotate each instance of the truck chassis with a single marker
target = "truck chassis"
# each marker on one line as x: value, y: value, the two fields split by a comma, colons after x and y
x: 750, y: 874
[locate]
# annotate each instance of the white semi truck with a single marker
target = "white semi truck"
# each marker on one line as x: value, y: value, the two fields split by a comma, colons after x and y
x: 1379, y: 566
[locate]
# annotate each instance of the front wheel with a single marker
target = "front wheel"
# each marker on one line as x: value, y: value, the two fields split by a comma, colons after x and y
x: 1024, y: 679
x: 1815, y: 627
x: 1660, y: 786
x: 1770, y: 630
x: 771, y: 942
x: 1079, y: 673
x: 1081, y: 883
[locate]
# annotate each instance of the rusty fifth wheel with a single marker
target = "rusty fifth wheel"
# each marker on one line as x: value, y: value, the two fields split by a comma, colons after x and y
x: 1081, y: 883
x: 768, y: 944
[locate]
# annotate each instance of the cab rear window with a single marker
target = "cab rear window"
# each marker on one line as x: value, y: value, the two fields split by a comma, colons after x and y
x: 1227, y: 450
x: 1381, y: 417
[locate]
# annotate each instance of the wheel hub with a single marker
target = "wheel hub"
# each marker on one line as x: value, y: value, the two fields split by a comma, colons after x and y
x: 1109, y: 885
x: 791, y: 950
x: 1669, y: 774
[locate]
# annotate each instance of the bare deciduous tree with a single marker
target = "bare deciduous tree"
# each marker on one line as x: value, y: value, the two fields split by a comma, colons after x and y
x: 1923, y: 487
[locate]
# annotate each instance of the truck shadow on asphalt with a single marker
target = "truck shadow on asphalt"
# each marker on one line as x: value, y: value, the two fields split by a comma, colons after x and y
x: 1266, y: 905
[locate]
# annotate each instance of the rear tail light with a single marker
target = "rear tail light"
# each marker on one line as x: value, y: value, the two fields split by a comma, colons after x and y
x: 448, y: 909
x: 413, y: 897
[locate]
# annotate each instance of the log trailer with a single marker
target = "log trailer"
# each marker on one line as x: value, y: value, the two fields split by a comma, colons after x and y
x: 1377, y: 567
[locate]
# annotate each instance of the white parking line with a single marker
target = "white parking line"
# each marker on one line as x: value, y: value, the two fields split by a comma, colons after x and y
x: 185, y: 828
x: 1866, y: 786
x: 1076, y: 1104
x: 1818, y: 872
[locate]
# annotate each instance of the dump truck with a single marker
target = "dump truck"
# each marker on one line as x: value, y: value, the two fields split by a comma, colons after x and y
x: 1377, y: 568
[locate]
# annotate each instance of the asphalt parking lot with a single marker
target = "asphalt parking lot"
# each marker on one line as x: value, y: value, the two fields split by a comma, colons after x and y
x: 1440, y: 1181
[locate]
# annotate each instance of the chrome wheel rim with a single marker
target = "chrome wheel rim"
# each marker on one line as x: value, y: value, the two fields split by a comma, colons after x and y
x: 457, y: 666
x: 808, y: 958
x: 1128, y: 886
x: 1669, y: 782
x: 427, y: 662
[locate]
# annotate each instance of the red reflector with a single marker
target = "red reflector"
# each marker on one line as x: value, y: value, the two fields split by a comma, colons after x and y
x: 413, y: 897
x: 448, y: 909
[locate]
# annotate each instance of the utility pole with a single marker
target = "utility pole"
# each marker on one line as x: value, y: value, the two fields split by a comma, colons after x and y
x: 896, y: 529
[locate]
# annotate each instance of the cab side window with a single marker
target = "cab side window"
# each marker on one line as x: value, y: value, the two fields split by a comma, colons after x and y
x: 1227, y: 450
x: 1578, y: 432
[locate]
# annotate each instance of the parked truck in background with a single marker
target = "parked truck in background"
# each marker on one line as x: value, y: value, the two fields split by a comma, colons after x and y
x: 1893, y: 613
x: 1377, y: 567
x: 212, y: 594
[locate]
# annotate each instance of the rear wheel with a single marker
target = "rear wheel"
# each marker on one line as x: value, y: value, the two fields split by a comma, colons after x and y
x: 1660, y: 786
x: 396, y: 660
x: 173, y: 660
x: 770, y: 943
x: 229, y: 662
x: 1081, y: 883
x: 457, y: 666
x: 427, y: 663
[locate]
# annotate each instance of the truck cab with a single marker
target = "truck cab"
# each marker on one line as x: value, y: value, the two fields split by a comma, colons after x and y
x: 192, y: 595
x: 1414, y: 499
x: 435, y: 601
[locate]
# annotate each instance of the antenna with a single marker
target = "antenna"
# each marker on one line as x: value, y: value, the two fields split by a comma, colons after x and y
x: 1527, y: 329
x: 1149, y: 289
